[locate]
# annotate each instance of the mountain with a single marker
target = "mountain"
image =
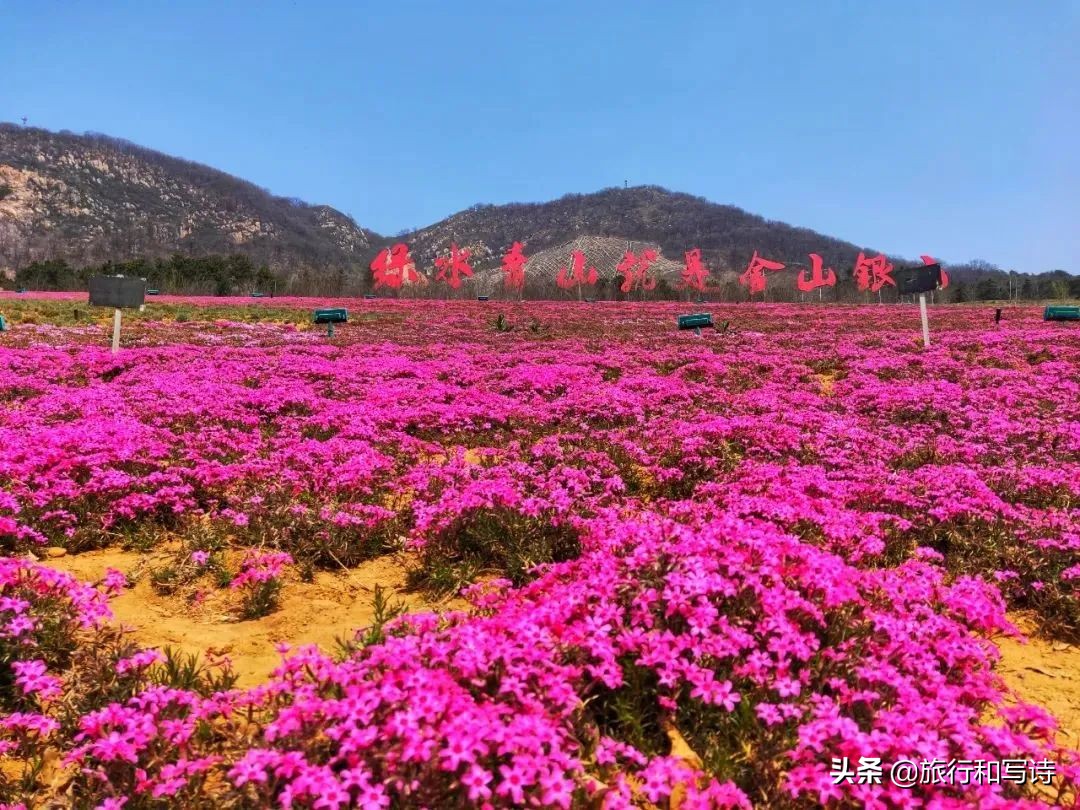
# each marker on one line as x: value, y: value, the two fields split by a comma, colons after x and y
x: 603, y: 224
x: 675, y: 222
x: 91, y: 198
x: 71, y: 203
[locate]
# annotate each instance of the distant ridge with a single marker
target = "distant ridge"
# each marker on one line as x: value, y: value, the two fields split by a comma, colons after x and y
x: 91, y: 198
x: 674, y: 221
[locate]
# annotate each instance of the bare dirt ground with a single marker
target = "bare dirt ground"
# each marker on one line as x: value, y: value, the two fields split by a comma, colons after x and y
x: 1046, y: 673
x: 335, y: 605
x: 332, y: 607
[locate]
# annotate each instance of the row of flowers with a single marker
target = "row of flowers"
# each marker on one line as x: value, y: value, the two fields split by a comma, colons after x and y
x: 859, y: 440
x: 696, y: 659
x: 765, y: 549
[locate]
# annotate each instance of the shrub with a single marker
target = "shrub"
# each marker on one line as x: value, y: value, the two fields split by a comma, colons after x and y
x: 259, y: 582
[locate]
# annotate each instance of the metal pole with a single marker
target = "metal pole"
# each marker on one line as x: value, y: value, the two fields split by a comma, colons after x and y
x: 116, y: 331
x: 925, y: 321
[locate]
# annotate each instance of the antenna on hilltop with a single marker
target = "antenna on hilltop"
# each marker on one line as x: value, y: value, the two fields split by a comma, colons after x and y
x: 24, y: 120
x: 625, y: 183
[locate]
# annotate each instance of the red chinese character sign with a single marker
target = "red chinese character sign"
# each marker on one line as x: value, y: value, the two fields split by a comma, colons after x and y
x: 873, y: 274
x: 817, y: 277
x: 456, y: 264
x: 393, y: 267
x: 577, y: 276
x: 944, y: 276
x: 513, y: 267
x: 694, y: 272
x: 753, y: 277
x: 635, y: 271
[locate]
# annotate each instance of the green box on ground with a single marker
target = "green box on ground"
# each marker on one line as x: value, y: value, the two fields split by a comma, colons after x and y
x: 700, y: 320
x: 1061, y: 314
x: 338, y: 315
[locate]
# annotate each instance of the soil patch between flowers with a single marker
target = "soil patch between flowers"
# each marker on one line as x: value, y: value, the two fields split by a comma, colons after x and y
x: 333, y: 607
x: 1047, y: 673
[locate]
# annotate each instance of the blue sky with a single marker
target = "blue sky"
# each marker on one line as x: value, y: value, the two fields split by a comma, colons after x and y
x: 950, y: 128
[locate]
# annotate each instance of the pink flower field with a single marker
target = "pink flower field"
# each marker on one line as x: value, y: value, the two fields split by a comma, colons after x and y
x: 695, y: 570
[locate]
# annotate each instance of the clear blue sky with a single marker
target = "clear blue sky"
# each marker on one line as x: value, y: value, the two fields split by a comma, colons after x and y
x: 950, y: 128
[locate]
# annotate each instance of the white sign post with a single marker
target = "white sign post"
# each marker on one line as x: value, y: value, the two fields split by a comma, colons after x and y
x: 116, y: 331
x: 919, y: 281
x: 925, y: 321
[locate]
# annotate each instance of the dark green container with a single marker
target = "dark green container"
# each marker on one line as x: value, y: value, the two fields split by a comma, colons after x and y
x: 1061, y: 314
x: 338, y: 315
x: 700, y: 320
x: 330, y: 317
